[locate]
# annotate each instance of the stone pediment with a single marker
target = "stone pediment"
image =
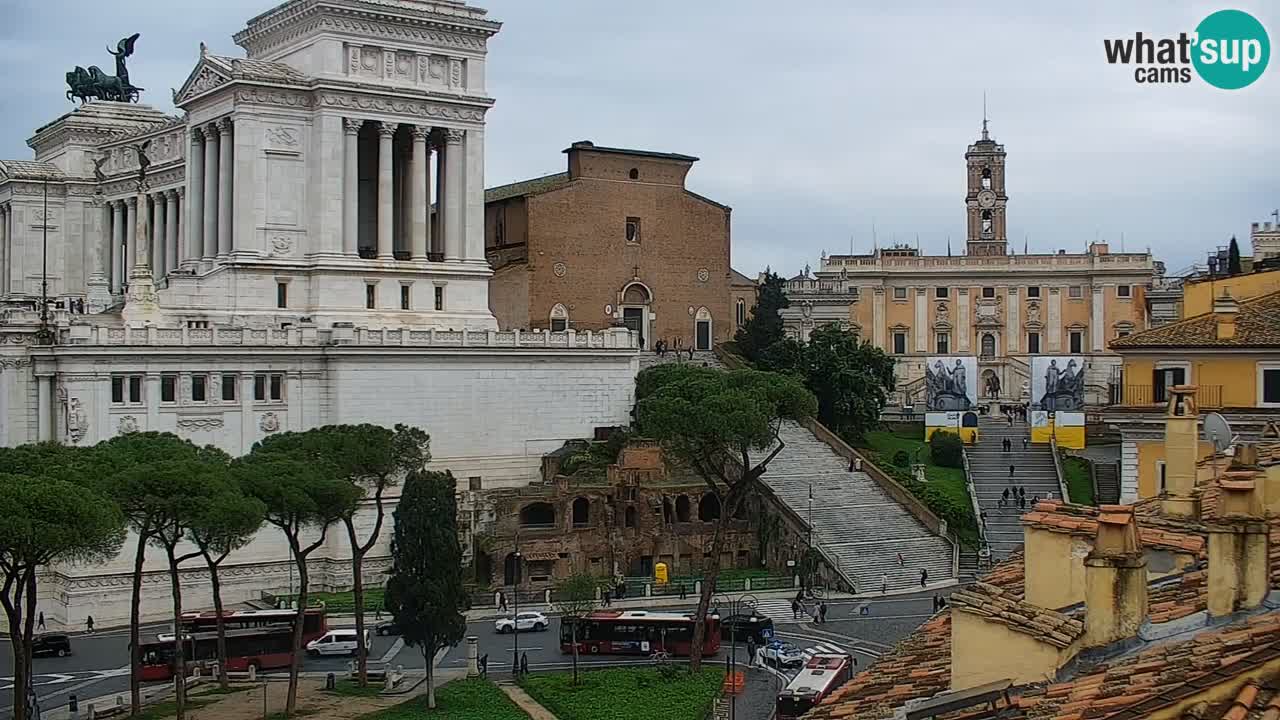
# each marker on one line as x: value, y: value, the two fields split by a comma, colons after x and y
x: 207, y: 75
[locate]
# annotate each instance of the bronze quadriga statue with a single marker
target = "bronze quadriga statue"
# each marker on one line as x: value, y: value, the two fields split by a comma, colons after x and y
x: 95, y: 84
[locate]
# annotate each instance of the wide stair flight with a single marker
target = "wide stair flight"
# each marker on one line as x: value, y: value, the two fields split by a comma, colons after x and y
x: 989, y: 468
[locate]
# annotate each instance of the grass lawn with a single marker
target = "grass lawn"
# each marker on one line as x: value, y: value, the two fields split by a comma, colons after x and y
x: 458, y: 700
x: 351, y: 688
x: 626, y: 694
x: 1076, y: 472
x: 345, y: 602
x: 949, y: 482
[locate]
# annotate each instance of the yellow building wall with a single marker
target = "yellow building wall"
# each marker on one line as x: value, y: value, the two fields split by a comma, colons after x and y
x: 982, y: 652
x: 1149, y: 453
x: 1054, y: 568
x: 1236, y: 375
x: 968, y: 434
x: 1197, y: 298
x: 1067, y: 436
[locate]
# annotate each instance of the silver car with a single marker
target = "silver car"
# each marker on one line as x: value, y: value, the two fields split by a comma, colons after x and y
x: 524, y: 622
x: 782, y: 654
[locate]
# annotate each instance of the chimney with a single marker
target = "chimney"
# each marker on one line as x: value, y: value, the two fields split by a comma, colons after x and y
x: 1115, y: 577
x: 1181, y: 452
x: 1225, y: 310
x: 1239, y: 567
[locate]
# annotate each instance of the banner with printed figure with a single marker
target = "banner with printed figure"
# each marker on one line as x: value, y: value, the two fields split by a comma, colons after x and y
x: 951, y: 383
x: 1057, y: 383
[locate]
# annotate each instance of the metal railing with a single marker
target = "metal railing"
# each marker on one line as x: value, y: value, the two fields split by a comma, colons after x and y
x: 1207, y: 396
x: 973, y: 499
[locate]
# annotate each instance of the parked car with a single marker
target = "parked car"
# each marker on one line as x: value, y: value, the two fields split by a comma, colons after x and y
x: 782, y: 654
x: 524, y: 622
x: 336, y: 642
x: 386, y: 627
x: 51, y: 644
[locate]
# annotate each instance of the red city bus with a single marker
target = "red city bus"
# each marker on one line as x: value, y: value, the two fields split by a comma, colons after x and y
x: 263, y: 648
x: 637, y: 632
x: 820, y: 676
x: 313, y: 621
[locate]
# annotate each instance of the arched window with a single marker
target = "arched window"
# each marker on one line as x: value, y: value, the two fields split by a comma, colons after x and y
x: 538, y: 515
x: 740, y: 312
x: 634, y: 174
x: 559, y: 318
x: 988, y: 345
x: 635, y: 294
x: 581, y: 512
x: 702, y: 329
x: 629, y: 517
x: 986, y: 178
x: 683, y: 508
x: 709, y: 508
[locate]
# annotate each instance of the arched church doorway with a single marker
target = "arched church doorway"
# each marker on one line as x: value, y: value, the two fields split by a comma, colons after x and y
x: 702, y: 329
x: 636, y: 300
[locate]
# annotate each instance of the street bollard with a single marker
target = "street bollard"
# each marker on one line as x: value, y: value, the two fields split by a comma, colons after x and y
x: 214, y: 671
x: 473, y: 656
x: 89, y: 712
x: 388, y: 680
x: 746, y: 585
x: 546, y: 597
x: 195, y: 672
x: 330, y: 682
x: 253, y: 672
x: 119, y: 701
x: 73, y: 707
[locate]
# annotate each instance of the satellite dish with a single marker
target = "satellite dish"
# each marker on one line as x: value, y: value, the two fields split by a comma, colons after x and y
x: 1218, y: 431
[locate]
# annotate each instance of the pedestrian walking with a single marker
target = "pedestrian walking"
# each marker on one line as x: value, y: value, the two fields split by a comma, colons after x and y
x: 1004, y: 497
x: 484, y: 665
x: 822, y: 612
x: 1022, y: 491
x: 924, y: 576
x: 1022, y: 501
x: 795, y: 609
x: 524, y: 663
x: 884, y: 583
x: 901, y: 561
x: 682, y: 593
x: 502, y: 601
x: 751, y: 652
x: 1011, y: 469
x: 814, y: 614
x: 1010, y: 420
x: 1024, y: 443
x: 40, y: 622
x: 1034, y: 499
x: 605, y: 596
x: 89, y: 623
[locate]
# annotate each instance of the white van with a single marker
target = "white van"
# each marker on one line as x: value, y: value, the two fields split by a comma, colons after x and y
x: 336, y: 642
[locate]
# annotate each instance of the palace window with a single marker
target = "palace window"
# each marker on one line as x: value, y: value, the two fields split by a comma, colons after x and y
x: 986, y: 222
x: 899, y: 342
x: 559, y: 318
x: 1077, y: 342
x: 988, y: 292
x: 1033, y: 343
x: 943, y: 343
x: 404, y: 296
x: 633, y: 230
x: 988, y: 345
x: 475, y: 483
x: 1269, y: 384
x: 229, y: 387
x: 1033, y: 291
x: 899, y: 293
x: 1160, y: 475
x: 168, y: 388
x: 1075, y: 291
x: 439, y: 297
x: 282, y: 295
x: 199, y: 388
x: 197, y: 324
x: 126, y: 389
x: 268, y: 386
x: 370, y: 296
x: 1122, y: 333
x: 1123, y: 291
x: 986, y: 178
x: 941, y: 293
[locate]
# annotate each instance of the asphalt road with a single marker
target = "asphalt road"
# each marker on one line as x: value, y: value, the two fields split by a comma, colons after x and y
x: 99, y: 664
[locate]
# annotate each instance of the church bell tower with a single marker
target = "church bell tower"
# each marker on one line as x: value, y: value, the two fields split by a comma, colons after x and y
x: 986, y: 199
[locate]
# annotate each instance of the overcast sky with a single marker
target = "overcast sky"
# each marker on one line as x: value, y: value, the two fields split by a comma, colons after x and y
x: 813, y: 120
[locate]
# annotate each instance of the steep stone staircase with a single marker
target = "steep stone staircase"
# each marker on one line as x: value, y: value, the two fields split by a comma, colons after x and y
x: 989, y: 470
x: 1108, y: 476
x: 854, y: 521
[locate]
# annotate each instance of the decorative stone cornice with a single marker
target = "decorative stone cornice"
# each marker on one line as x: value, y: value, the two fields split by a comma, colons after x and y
x: 275, y: 97
x: 401, y: 106
x: 465, y: 30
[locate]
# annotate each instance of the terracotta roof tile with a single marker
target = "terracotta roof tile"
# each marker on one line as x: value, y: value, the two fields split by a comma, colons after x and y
x: 998, y: 605
x: 1257, y: 325
x: 526, y: 187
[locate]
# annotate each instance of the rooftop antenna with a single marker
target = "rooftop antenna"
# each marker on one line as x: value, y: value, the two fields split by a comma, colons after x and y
x: 948, y: 246
x: 985, y: 136
x: 1026, y: 239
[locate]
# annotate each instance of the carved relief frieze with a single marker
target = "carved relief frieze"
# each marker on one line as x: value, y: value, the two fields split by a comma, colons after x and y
x: 455, y: 74
x: 200, y: 423
x: 399, y: 106
x: 128, y: 424
x: 269, y: 423
x: 280, y: 246
x: 280, y: 98
x: 283, y: 137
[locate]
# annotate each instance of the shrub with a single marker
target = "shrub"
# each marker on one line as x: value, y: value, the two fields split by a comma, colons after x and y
x: 902, y: 459
x: 947, y: 449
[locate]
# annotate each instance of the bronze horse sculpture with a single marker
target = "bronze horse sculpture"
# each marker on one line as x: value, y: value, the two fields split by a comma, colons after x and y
x: 94, y: 83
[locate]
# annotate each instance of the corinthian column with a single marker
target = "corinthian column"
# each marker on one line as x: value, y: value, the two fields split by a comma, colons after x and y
x: 454, y: 194
x: 117, y: 246
x: 226, y: 166
x: 210, y: 233
x: 156, y: 236
x: 131, y: 232
x: 351, y: 186
x: 193, y: 219
x: 418, y: 193
x: 4, y: 250
x: 385, y: 191
x: 170, y: 233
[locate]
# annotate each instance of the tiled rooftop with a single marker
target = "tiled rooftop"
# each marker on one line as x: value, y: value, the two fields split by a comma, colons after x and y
x: 1082, y: 520
x: 1004, y: 607
x: 1257, y: 325
x: 29, y: 170
x: 526, y: 187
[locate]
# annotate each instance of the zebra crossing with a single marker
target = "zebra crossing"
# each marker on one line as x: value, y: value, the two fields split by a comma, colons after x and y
x: 776, y: 609
x: 821, y: 648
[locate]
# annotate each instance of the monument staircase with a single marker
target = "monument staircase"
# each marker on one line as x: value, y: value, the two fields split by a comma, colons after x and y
x: 858, y: 526
x: 1107, y: 475
x: 1034, y: 471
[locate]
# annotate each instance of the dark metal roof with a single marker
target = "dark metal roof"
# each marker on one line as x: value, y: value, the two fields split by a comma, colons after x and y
x: 588, y: 145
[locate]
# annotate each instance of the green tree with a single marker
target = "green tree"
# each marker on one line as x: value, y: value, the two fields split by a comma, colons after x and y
x: 45, y: 518
x: 574, y: 598
x: 946, y: 449
x: 303, y: 495
x: 373, y: 459
x: 224, y: 521
x: 716, y: 422
x: 851, y: 379
x: 764, y: 327
x: 1234, y: 266
x: 425, y: 593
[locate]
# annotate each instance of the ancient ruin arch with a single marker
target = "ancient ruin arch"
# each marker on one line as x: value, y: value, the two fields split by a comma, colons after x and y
x: 683, y: 509
x: 630, y: 517
x: 581, y: 512
x: 538, y: 514
x: 709, y: 508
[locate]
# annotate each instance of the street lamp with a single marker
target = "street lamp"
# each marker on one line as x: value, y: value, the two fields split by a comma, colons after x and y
x: 737, y: 606
x: 515, y: 618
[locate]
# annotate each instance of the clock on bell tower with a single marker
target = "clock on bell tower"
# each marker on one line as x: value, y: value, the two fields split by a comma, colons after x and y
x: 986, y: 199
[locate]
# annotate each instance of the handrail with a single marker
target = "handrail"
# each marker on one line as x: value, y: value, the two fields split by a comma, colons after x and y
x: 973, y: 499
x: 1057, y: 468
